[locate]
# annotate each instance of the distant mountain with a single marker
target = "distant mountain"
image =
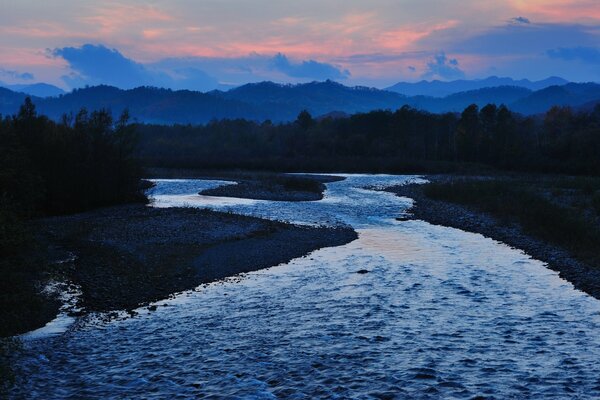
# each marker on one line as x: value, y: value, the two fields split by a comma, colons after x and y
x: 10, y: 101
x: 459, y: 101
x: 152, y: 105
x: 442, y: 89
x: 334, y: 115
x: 317, y: 97
x: 589, y: 106
x: 36, y: 89
x: 572, y: 94
x: 259, y: 101
x: 267, y: 100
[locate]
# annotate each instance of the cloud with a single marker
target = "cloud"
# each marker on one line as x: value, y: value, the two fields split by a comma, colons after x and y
x: 514, y: 39
x: 308, y: 69
x: 25, y: 76
x: 97, y: 64
x: 378, y: 58
x: 442, y: 67
x: 558, y: 10
x: 589, y: 55
x: 519, y: 20
x: 521, y: 50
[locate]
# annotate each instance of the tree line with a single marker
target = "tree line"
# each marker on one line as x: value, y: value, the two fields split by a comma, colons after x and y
x: 82, y: 162
x: 405, y: 140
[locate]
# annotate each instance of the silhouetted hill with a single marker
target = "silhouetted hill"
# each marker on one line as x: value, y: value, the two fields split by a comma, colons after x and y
x: 267, y: 100
x: 442, y: 89
x: 333, y: 115
x: 10, y: 101
x: 35, y: 89
x: 589, y: 106
x: 147, y: 104
x: 572, y: 94
x: 317, y: 97
x: 459, y: 101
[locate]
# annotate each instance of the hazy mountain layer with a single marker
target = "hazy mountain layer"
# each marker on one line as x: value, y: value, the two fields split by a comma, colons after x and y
x: 270, y: 101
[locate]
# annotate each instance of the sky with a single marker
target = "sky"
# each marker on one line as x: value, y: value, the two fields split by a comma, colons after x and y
x: 208, y: 44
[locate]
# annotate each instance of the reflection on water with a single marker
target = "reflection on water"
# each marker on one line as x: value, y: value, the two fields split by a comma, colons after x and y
x: 441, y: 314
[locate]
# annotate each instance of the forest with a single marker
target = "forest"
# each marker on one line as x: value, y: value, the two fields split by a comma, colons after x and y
x: 405, y: 140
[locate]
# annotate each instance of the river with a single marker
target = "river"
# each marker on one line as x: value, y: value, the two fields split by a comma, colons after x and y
x: 441, y: 313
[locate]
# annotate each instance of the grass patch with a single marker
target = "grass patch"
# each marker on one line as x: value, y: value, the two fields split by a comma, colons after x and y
x: 524, y: 203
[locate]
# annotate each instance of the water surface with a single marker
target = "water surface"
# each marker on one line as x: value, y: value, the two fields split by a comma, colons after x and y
x: 441, y: 314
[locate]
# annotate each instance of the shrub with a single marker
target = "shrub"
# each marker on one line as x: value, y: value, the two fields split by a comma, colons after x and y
x: 513, y: 200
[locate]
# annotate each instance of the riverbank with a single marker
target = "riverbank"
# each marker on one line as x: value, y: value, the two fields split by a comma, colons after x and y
x: 127, y: 256
x: 132, y: 255
x: 579, y: 269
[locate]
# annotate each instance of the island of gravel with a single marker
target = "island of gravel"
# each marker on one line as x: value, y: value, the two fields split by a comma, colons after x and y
x: 125, y: 257
x: 275, y: 187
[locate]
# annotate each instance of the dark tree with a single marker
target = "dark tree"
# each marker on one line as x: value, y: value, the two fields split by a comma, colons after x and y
x: 305, y: 120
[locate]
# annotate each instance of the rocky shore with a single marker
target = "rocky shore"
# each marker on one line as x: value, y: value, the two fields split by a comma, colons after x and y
x: 583, y: 276
x: 127, y: 256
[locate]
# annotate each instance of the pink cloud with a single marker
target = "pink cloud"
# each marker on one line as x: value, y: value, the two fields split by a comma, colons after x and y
x: 121, y: 17
x: 22, y: 57
x: 43, y: 30
x: 404, y: 38
x: 559, y: 10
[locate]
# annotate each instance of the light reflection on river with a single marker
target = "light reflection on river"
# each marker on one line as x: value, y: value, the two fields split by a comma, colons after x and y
x: 441, y: 314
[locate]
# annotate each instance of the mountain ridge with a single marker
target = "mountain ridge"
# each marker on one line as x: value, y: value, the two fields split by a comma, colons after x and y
x: 280, y: 102
x: 438, y: 88
x: 39, y: 89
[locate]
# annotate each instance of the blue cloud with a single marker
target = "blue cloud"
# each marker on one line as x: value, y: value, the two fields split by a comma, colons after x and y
x: 519, y: 20
x: 514, y: 39
x: 442, y: 67
x: 308, y: 69
x: 97, y: 64
x: 25, y: 76
x: 589, y: 55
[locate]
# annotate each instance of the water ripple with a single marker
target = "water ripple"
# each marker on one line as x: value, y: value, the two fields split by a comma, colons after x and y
x: 440, y: 314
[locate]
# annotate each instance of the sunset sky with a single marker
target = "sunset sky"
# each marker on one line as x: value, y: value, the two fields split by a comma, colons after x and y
x: 217, y: 43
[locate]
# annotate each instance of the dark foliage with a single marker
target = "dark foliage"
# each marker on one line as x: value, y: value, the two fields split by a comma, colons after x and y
x: 524, y: 202
x: 406, y: 140
x: 49, y: 168
x: 85, y: 161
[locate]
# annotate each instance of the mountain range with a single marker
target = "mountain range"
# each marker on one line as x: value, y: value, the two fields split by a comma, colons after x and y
x: 276, y: 102
x: 442, y: 89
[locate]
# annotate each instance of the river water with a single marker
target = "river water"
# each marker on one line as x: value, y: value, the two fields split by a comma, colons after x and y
x: 441, y: 313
